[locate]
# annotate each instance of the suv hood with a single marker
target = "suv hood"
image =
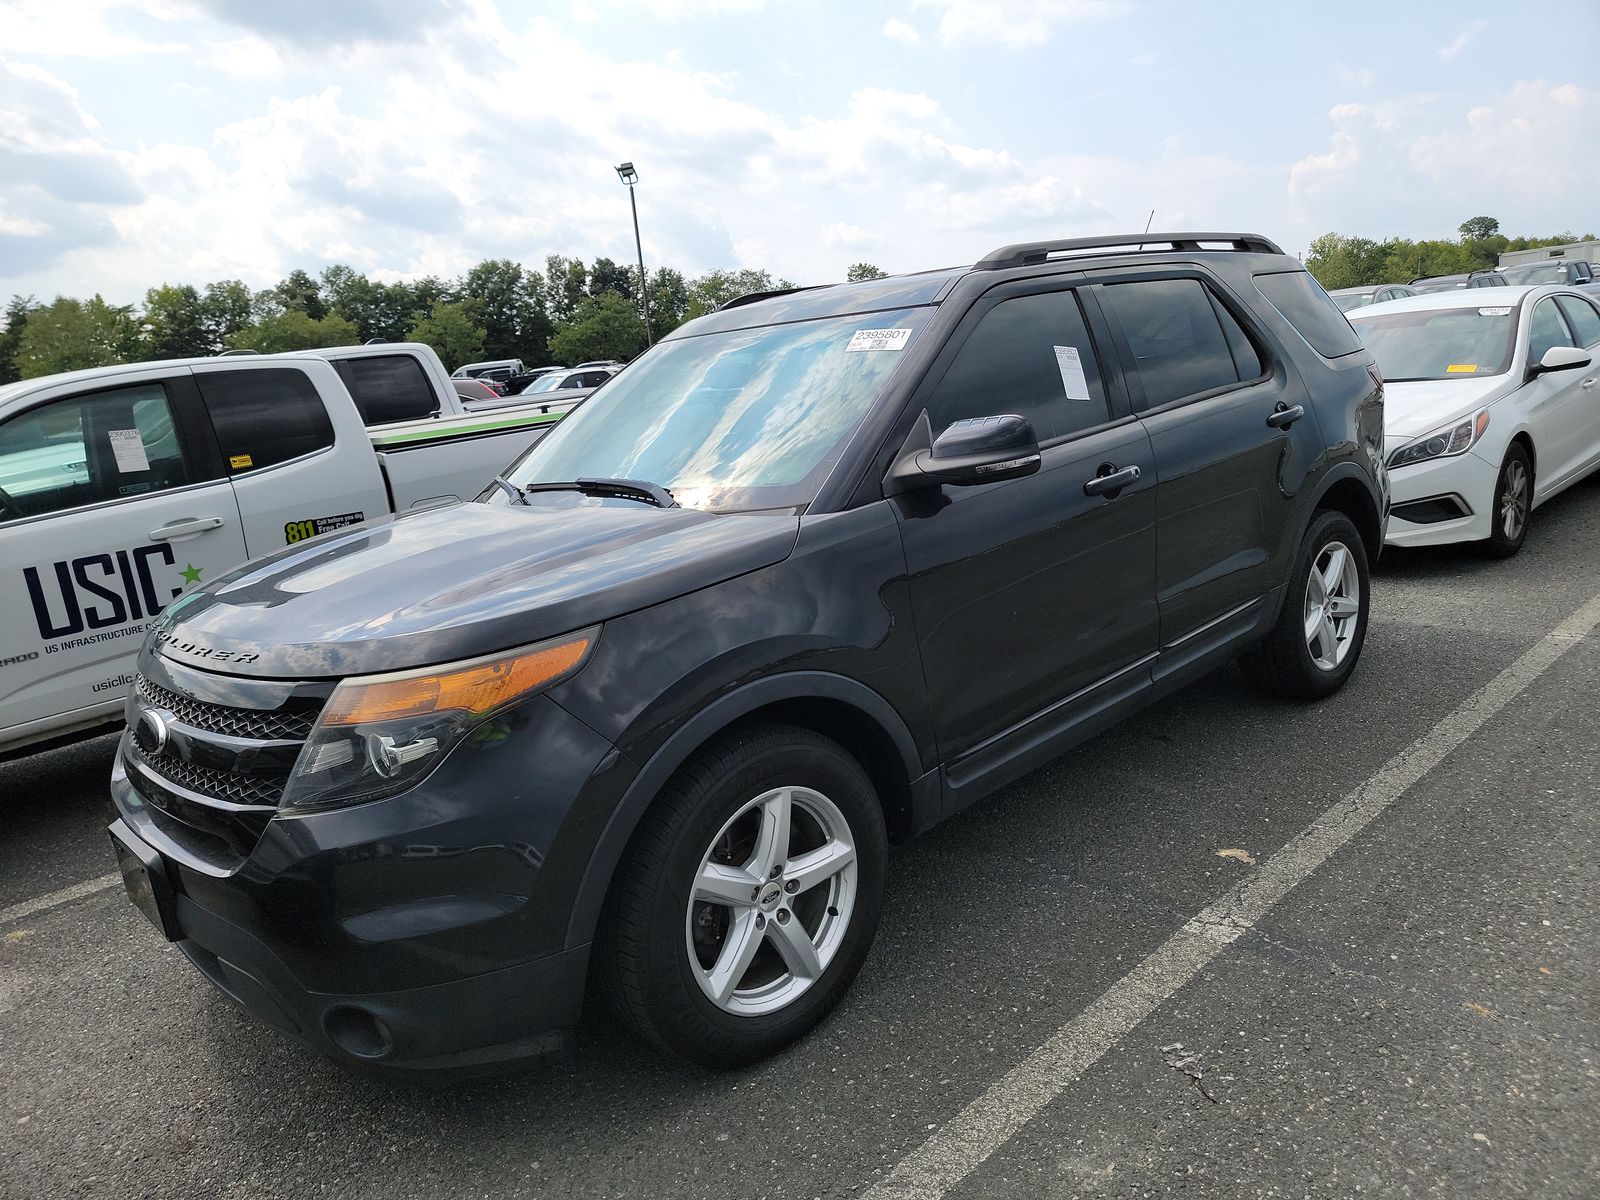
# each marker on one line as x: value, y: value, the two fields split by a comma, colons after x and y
x: 1412, y: 409
x: 458, y: 582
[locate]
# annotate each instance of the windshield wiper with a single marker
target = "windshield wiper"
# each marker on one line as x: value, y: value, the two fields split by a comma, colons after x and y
x: 510, y: 489
x: 621, y: 489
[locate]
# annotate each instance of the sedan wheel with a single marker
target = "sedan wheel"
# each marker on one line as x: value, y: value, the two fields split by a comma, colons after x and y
x: 1513, y: 503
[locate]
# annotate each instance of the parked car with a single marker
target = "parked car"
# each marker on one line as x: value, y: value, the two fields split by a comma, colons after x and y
x: 555, y: 392
x: 475, y: 389
x: 1491, y: 409
x: 1445, y: 283
x: 1359, y: 297
x: 1575, y: 273
x: 495, y: 372
x: 812, y: 574
x: 122, y: 487
x: 517, y: 383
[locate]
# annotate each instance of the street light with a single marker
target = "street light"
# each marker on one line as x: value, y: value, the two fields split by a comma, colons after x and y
x: 629, y: 176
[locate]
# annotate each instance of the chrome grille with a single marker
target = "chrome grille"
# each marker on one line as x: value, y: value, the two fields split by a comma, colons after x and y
x: 291, y: 723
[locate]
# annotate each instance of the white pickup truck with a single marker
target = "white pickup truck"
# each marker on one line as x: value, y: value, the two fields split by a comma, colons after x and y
x: 122, y: 486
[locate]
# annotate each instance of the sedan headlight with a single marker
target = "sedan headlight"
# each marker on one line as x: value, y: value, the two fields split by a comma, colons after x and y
x: 381, y: 734
x: 1442, y: 443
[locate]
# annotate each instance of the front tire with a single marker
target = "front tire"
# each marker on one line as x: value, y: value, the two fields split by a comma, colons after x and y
x: 1513, y: 504
x: 1313, y: 648
x: 748, y: 898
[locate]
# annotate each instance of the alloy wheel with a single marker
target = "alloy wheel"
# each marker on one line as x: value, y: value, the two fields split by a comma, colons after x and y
x: 772, y: 901
x: 1333, y: 606
x: 1514, y: 500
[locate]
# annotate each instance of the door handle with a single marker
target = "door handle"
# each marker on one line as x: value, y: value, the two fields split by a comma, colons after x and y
x: 174, y: 530
x: 1589, y: 382
x: 1286, y: 415
x: 1110, y: 480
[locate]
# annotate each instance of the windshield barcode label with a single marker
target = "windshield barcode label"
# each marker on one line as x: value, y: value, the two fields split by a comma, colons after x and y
x: 878, y: 339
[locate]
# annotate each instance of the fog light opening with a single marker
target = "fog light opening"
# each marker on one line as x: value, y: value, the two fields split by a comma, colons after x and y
x: 358, y: 1032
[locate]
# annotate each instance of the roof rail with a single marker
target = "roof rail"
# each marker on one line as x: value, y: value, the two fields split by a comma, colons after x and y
x: 1025, y: 254
x: 752, y: 297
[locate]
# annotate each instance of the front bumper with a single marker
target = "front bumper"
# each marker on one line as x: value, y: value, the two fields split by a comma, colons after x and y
x: 422, y: 935
x: 1430, y: 492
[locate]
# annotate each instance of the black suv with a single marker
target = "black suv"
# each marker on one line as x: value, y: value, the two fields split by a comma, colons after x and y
x: 816, y: 572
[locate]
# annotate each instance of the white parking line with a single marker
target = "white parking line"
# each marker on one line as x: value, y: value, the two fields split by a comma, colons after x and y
x: 19, y: 912
x: 997, y: 1115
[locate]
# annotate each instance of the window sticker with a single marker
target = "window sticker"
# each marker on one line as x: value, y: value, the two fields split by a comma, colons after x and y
x: 1071, y: 367
x: 1461, y: 369
x: 128, y: 447
x: 878, y: 339
x: 1494, y: 312
x: 239, y: 461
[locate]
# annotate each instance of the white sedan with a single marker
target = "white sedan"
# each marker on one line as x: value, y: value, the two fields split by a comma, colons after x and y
x: 1490, y: 408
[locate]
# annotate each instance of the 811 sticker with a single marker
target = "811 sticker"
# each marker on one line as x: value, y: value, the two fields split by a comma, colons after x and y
x: 299, y: 531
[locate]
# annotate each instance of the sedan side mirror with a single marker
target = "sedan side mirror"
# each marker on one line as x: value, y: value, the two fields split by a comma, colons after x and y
x: 1560, y: 358
x: 977, y: 450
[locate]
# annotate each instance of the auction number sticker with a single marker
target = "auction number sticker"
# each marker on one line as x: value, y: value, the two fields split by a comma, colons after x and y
x: 299, y: 531
x: 878, y: 339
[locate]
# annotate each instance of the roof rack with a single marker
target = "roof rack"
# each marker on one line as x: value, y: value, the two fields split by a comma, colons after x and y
x: 752, y: 297
x: 1025, y: 254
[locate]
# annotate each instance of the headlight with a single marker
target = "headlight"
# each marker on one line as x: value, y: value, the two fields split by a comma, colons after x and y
x: 381, y: 734
x: 1456, y: 439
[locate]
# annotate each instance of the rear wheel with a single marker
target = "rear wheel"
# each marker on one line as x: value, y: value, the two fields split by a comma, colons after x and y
x: 1323, y: 624
x: 1513, y: 504
x: 748, y: 898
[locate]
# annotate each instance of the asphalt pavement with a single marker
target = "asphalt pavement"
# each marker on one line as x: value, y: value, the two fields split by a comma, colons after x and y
x: 1389, y: 985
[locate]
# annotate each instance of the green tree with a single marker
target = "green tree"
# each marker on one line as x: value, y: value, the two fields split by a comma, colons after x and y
x: 509, y: 303
x: 225, y: 310
x: 567, y: 281
x: 450, y: 330
x: 70, y: 335
x: 16, y: 320
x: 715, y: 288
x: 605, y: 326
x: 607, y: 276
x: 296, y: 293
x: 293, y: 329
x: 174, y: 324
x: 1341, y: 262
x: 863, y: 270
x: 669, y: 301
x: 1477, y: 228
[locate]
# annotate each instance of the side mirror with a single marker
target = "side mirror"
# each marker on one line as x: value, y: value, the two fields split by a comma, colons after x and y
x: 977, y: 450
x: 1560, y: 358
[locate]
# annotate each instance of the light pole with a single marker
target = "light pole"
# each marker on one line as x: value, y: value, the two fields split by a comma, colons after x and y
x: 629, y: 176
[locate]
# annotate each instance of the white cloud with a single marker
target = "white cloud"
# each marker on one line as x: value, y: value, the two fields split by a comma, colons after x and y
x: 897, y: 30
x: 1459, y: 43
x: 1013, y: 23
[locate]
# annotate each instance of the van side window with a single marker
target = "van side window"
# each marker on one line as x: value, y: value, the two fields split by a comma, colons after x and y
x: 108, y: 445
x: 388, y: 388
x: 1010, y: 364
x: 1174, y: 329
x: 264, y: 417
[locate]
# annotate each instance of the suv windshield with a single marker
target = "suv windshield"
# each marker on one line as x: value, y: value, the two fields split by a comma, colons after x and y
x: 1439, y: 343
x: 1536, y: 273
x: 731, y: 422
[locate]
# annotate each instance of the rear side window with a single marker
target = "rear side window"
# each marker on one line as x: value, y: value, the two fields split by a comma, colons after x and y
x: 1180, y: 346
x: 388, y: 388
x: 1020, y: 359
x: 1583, y: 317
x: 264, y: 417
x: 107, y: 445
x: 1306, y: 306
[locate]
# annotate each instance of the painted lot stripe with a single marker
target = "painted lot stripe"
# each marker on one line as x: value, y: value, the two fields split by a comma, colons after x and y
x: 19, y: 912
x: 996, y: 1116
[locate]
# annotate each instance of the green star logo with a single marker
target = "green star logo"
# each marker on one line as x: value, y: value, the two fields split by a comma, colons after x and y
x: 190, y: 573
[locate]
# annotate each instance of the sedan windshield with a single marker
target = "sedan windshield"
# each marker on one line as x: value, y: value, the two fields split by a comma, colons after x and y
x: 1536, y: 273
x: 545, y: 383
x: 734, y: 421
x: 1439, y: 343
x: 1353, y: 300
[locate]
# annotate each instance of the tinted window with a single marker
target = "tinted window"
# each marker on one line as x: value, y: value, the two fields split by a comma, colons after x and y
x: 1306, y: 306
x: 1583, y: 317
x: 1246, y: 362
x: 1177, y: 343
x: 387, y: 388
x: 109, y: 445
x: 1013, y: 362
x: 1548, y: 330
x: 264, y: 417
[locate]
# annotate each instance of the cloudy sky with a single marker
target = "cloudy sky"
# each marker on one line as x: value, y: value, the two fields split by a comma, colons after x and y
x: 193, y: 140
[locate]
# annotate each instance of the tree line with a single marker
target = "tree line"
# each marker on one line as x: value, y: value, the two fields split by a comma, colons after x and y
x: 570, y: 312
x: 1338, y: 261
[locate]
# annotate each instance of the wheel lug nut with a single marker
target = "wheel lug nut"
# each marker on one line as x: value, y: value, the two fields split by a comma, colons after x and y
x: 776, y: 871
x: 783, y: 916
x: 791, y: 886
x: 761, y: 922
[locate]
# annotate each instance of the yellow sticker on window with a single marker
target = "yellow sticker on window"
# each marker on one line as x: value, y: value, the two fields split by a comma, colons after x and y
x: 244, y: 460
x: 1461, y: 369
